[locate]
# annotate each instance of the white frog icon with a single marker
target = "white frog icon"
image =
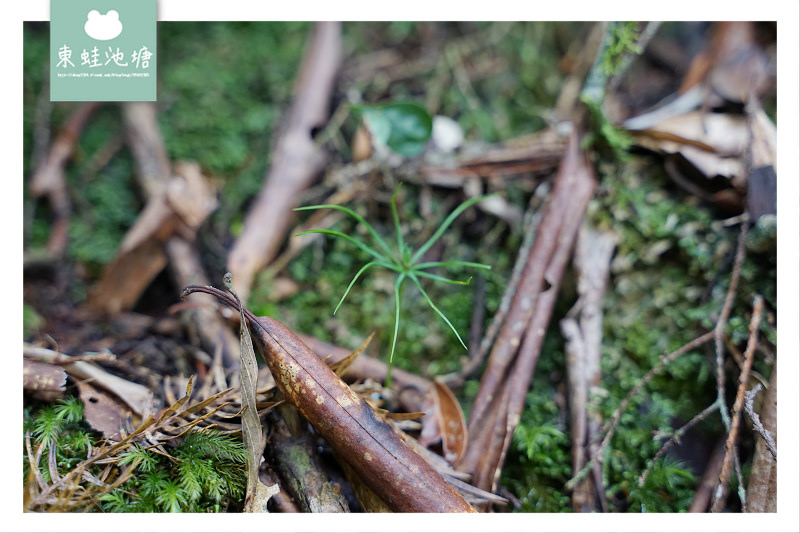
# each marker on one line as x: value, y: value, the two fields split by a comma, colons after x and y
x: 103, y: 27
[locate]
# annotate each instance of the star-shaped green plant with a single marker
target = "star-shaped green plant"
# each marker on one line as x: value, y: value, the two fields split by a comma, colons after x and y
x: 403, y: 261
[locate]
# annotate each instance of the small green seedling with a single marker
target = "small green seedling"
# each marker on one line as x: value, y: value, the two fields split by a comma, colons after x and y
x: 403, y: 261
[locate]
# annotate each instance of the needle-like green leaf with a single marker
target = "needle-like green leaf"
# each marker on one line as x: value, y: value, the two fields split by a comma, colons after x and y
x: 447, y: 264
x: 446, y: 224
x: 348, y: 238
x: 436, y: 309
x: 443, y: 279
x: 356, y: 216
x: 398, y: 288
x: 355, y: 278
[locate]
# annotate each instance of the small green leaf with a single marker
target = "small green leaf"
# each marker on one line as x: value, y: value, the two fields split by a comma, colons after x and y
x: 404, y: 127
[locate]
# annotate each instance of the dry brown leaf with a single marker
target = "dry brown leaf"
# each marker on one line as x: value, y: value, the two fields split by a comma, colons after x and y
x: 341, y: 366
x: 138, y: 397
x: 397, y: 474
x: 444, y: 421
x: 103, y: 412
x: 723, y: 134
x: 451, y: 423
x: 715, y: 143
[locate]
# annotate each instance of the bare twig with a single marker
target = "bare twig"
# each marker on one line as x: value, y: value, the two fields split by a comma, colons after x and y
x: 755, y: 322
x: 49, y: 178
x: 611, y: 426
x: 676, y: 439
x: 296, y: 159
x: 497, y: 408
x: 153, y: 177
x: 719, y: 329
x: 762, y: 489
x: 749, y: 397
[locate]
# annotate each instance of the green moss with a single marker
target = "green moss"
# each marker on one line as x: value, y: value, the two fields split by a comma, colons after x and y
x: 205, y: 472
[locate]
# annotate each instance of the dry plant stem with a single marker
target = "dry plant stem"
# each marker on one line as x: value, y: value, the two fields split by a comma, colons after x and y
x: 738, y: 404
x: 296, y: 159
x: 252, y: 430
x: 762, y: 490
x: 676, y: 438
x: 49, y: 178
x: 405, y: 481
x: 719, y: 329
x: 583, y: 335
x: 516, y: 350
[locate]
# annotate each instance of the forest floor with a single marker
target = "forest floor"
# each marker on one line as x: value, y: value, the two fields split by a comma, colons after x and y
x: 594, y: 329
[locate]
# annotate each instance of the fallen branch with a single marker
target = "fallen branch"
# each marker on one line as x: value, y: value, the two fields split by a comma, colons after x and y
x: 153, y: 175
x: 498, y: 405
x: 583, y: 332
x: 296, y: 160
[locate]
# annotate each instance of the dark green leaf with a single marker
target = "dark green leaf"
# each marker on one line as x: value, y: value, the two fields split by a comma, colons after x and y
x: 404, y: 127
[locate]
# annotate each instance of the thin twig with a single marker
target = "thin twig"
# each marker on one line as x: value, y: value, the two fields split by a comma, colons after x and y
x: 676, y: 439
x: 719, y: 328
x: 611, y: 425
x: 532, y: 218
x: 755, y: 323
x: 749, y: 397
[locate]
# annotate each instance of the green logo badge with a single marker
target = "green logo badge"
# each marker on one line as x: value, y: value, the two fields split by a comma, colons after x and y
x: 103, y: 50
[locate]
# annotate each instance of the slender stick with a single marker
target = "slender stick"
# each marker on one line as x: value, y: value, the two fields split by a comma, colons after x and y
x: 719, y: 328
x: 752, y: 341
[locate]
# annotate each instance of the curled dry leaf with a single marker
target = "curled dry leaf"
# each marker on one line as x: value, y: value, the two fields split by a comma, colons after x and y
x: 388, y: 466
x: 444, y: 422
